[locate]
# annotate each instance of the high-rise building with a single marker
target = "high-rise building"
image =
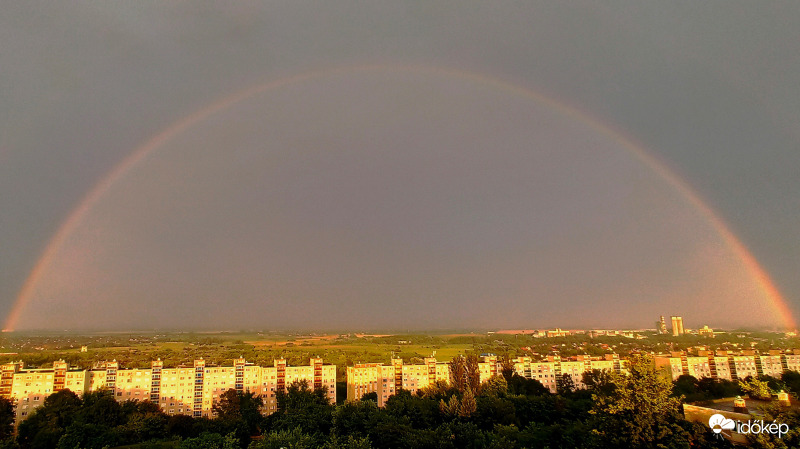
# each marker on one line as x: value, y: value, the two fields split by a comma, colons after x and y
x: 677, y: 325
x: 662, y: 326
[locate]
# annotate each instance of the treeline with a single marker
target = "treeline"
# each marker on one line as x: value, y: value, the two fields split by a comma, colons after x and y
x: 637, y: 411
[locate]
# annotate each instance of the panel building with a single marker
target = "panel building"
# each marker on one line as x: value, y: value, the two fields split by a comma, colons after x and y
x: 187, y: 390
x: 385, y: 380
x: 728, y: 366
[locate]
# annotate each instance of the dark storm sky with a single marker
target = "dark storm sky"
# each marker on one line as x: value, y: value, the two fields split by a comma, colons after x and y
x: 415, y: 195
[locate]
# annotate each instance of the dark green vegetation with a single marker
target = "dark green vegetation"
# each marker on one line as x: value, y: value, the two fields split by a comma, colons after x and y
x: 640, y: 410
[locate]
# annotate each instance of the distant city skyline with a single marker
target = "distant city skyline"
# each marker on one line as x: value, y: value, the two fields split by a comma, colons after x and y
x: 556, y: 330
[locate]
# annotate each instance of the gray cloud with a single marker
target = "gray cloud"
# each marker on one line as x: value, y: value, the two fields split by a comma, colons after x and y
x: 708, y: 88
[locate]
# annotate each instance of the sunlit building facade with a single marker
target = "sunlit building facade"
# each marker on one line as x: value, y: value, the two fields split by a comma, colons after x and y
x: 185, y: 390
x: 549, y: 372
x: 728, y: 366
x: 385, y: 380
x: 677, y: 326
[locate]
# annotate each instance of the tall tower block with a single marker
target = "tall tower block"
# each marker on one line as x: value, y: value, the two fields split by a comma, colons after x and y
x: 677, y: 325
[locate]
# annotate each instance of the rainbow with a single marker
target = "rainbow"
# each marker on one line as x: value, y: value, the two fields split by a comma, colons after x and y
x: 775, y: 300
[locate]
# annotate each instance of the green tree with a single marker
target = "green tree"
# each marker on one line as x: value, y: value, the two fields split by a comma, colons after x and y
x: 100, y: 408
x: 463, y: 434
x: 458, y: 373
x: 472, y: 367
x: 782, y: 415
x: 355, y: 418
x: 493, y: 411
x: 709, y: 388
x: 181, y: 426
x: 394, y: 433
x: 775, y: 384
x: 228, y: 406
x: 686, y: 385
x: 565, y: 384
x: 641, y: 411
x: 755, y: 388
x: 792, y: 381
x: 440, y: 389
x: 371, y: 396
x: 7, y: 410
x: 468, y: 405
x: 494, y: 386
x: 209, y: 440
x: 527, y: 387
x: 244, y: 408
x: 285, y: 439
x: 47, y: 424
x: 599, y: 381
x: 507, y: 367
x: 465, y: 373
x: 420, y: 412
x: 449, y: 407
x: 144, y: 421
x: 349, y: 442
x: 88, y: 436
x: 304, y: 409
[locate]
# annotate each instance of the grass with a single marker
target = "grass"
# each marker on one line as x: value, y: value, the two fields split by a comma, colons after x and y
x: 139, y: 351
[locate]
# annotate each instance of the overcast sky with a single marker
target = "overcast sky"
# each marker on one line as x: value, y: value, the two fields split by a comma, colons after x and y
x: 406, y: 165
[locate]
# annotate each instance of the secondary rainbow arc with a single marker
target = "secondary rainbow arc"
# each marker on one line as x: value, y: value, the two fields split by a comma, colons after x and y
x: 776, y: 301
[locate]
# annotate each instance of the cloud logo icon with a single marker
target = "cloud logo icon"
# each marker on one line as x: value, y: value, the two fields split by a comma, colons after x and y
x: 718, y: 423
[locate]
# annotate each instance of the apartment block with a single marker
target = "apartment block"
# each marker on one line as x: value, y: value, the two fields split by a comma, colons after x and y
x: 489, y: 367
x: 550, y: 371
x: 771, y: 365
x: 188, y: 390
x: 385, y: 380
x: 791, y: 362
x: 543, y: 371
x: 729, y: 366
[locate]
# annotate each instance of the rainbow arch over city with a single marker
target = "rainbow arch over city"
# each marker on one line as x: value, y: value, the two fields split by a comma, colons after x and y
x: 774, y: 299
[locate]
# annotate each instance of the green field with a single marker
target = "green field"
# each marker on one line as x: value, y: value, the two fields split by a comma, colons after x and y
x: 137, y: 350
